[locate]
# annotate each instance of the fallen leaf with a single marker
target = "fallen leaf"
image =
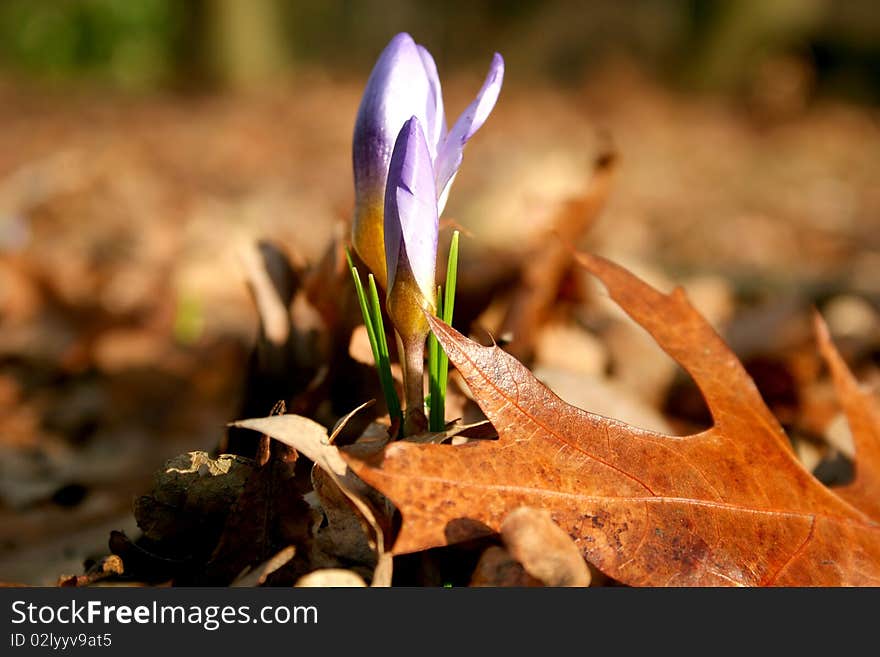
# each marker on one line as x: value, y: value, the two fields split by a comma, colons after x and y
x: 311, y: 439
x: 497, y: 567
x: 190, y: 500
x: 546, y: 552
x: 727, y: 506
x: 341, y: 533
x: 304, y: 435
x: 269, y: 515
x: 863, y: 416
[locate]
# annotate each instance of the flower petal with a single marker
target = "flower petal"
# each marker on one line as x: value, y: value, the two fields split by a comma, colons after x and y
x: 450, y: 154
x: 435, y: 118
x: 411, y: 220
x: 396, y: 90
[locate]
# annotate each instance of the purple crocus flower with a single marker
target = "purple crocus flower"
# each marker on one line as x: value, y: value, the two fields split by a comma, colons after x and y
x: 411, y: 226
x: 404, y: 83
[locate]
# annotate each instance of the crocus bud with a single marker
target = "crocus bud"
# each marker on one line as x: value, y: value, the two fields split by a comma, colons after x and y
x: 411, y: 226
x: 404, y: 83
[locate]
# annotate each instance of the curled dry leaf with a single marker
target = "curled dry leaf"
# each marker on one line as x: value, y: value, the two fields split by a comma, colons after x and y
x: 728, y: 506
x: 268, y: 516
x: 311, y: 439
x: 304, y: 435
x: 543, y: 548
x: 342, y: 531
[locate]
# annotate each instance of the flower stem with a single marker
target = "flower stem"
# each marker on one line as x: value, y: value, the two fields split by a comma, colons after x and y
x: 413, y: 361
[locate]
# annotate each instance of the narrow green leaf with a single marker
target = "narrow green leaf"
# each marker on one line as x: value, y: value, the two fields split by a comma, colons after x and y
x: 376, y: 308
x: 365, y: 312
x: 451, y: 277
x: 448, y: 305
x: 384, y: 360
x: 436, y: 403
x: 438, y: 362
x: 372, y: 316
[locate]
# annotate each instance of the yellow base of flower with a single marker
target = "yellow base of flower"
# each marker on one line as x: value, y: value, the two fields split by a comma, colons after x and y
x: 368, y: 241
x: 407, y: 305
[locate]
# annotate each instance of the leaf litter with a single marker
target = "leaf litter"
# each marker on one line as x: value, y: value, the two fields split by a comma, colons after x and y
x: 731, y: 505
x: 309, y: 516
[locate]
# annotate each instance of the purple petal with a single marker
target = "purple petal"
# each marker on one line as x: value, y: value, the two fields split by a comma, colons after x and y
x: 450, y: 154
x: 411, y: 220
x: 396, y: 90
x: 435, y: 124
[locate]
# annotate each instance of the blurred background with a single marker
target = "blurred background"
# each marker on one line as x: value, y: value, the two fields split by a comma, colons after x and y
x: 145, y: 143
x: 717, y: 44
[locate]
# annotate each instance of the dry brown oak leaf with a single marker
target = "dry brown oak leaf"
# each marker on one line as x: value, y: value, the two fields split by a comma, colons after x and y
x: 863, y: 416
x: 728, y: 506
